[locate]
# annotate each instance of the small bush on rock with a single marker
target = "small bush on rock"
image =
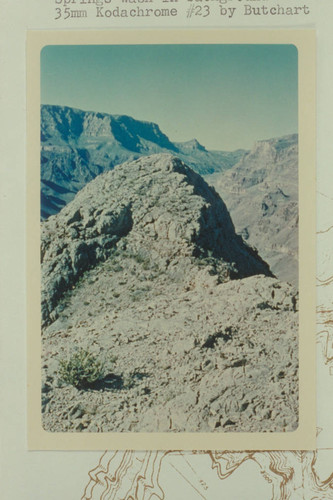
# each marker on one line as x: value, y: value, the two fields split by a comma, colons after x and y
x: 81, y: 370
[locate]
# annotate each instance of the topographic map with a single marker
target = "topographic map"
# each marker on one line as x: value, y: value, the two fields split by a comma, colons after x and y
x: 276, y: 475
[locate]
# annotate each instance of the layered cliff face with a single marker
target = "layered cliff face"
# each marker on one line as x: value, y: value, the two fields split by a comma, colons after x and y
x: 76, y: 146
x: 144, y: 269
x: 261, y: 193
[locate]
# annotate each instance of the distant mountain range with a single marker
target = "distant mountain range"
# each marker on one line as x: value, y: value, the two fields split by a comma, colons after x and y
x: 76, y: 146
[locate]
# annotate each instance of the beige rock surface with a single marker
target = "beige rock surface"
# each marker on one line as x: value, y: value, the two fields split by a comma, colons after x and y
x: 193, y: 335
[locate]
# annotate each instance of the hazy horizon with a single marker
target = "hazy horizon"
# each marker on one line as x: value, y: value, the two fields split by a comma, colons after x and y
x: 225, y: 96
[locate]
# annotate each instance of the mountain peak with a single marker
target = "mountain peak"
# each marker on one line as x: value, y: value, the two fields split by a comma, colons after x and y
x: 192, y: 145
x: 70, y: 125
x: 155, y: 206
x: 275, y: 146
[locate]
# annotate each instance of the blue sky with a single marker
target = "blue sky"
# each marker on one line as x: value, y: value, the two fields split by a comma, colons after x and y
x: 226, y: 96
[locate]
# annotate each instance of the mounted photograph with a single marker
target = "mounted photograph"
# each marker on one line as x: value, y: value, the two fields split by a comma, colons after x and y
x: 172, y: 219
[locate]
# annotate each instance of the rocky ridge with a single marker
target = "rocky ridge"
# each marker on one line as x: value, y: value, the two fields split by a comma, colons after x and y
x: 164, y: 209
x: 144, y: 269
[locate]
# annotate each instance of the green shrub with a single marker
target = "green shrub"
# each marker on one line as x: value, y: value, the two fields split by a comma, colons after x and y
x: 81, y: 370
